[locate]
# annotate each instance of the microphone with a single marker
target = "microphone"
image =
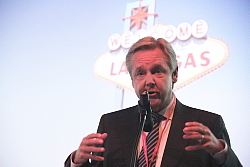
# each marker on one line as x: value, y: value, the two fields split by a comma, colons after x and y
x: 145, y: 108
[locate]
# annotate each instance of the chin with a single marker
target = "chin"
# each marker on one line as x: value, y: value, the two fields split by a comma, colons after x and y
x: 154, y: 102
x: 155, y: 105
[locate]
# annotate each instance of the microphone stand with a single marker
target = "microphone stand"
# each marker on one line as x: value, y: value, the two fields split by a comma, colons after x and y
x: 143, y: 114
x: 145, y: 124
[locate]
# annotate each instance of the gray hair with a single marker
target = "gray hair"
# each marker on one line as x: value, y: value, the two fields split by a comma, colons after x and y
x: 149, y: 43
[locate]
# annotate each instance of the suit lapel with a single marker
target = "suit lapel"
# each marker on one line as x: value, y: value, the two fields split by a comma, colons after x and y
x: 175, y: 145
x: 131, y: 132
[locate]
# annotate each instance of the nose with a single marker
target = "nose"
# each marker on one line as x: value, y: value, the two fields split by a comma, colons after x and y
x: 149, y: 81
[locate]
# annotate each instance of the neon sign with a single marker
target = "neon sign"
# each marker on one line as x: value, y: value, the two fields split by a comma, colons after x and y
x: 197, y: 54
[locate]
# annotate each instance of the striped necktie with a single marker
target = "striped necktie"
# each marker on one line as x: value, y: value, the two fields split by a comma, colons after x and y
x: 151, y: 141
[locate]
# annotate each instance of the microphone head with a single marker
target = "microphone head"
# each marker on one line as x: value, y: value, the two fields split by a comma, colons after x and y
x: 144, y: 100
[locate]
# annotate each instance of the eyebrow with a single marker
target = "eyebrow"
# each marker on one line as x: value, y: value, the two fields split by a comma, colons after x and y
x: 157, y: 66
x: 140, y: 68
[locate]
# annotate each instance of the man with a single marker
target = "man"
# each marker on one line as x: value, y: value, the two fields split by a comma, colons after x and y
x: 187, y: 136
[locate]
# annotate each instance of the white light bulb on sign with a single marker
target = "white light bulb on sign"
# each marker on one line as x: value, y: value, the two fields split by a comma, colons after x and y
x: 184, y: 31
x: 127, y: 39
x: 114, y: 41
x: 169, y: 33
x: 199, y: 28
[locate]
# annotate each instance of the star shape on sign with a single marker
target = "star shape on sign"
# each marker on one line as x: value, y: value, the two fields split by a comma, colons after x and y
x: 139, y: 16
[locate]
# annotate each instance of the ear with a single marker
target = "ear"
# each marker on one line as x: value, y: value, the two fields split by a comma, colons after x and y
x: 175, y: 75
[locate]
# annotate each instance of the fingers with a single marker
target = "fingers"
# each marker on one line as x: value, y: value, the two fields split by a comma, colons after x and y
x: 89, y: 145
x: 83, y: 156
x: 104, y: 136
x: 196, y: 136
x: 206, y: 139
x: 196, y: 131
x: 196, y: 147
x: 195, y: 127
x: 201, y: 139
x: 94, y: 139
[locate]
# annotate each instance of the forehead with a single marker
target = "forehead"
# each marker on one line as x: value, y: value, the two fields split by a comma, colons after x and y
x: 149, y: 57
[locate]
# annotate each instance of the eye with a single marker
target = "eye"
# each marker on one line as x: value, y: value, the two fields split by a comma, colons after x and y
x: 158, y: 70
x: 140, y: 73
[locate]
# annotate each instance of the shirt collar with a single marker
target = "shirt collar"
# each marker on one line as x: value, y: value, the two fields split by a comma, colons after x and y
x: 166, y: 111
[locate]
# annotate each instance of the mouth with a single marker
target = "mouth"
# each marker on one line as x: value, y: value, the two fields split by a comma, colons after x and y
x: 152, y: 94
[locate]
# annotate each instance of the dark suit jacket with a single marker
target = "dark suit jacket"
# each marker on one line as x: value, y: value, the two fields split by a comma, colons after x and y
x: 122, y: 125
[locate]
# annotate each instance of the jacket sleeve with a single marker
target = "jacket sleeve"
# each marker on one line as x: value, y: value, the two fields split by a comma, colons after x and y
x: 221, y: 133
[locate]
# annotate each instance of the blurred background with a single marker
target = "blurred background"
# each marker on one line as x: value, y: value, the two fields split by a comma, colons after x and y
x: 50, y: 97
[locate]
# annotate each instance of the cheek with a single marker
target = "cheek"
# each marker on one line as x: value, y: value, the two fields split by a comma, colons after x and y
x: 138, y: 87
x: 135, y: 86
x: 164, y: 85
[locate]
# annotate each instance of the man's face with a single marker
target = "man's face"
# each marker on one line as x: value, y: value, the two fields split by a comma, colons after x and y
x: 150, y: 72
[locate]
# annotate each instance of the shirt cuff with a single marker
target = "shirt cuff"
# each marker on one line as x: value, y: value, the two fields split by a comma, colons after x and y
x: 221, y: 156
